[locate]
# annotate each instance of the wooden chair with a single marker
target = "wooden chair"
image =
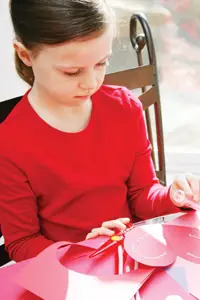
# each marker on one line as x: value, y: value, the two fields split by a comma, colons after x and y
x: 4, y: 258
x: 6, y: 107
x: 144, y: 77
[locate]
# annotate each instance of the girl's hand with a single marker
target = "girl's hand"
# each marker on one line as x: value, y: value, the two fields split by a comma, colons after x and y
x: 108, y: 228
x: 189, y: 184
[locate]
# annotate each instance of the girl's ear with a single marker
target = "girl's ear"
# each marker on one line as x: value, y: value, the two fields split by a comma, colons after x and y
x: 23, y: 53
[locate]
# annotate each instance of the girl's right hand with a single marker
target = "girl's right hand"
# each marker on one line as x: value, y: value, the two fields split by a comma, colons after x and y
x: 108, y: 228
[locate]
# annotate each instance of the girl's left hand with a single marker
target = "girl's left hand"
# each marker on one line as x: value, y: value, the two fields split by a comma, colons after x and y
x: 108, y: 228
x: 189, y: 184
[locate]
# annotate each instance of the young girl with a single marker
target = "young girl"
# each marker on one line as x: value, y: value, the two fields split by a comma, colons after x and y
x: 73, y: 152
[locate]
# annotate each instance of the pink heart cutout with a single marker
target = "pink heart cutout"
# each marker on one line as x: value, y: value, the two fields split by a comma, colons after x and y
x: 146, y: 245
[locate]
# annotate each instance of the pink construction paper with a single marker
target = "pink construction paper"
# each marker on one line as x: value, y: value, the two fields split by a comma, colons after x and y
x: 146, y: 245
x: 183, y: 241
x: 190, y: 219
x: 192, y: 272
x: 162, y: 287
x: 46, y: 277
x: 9, y: 290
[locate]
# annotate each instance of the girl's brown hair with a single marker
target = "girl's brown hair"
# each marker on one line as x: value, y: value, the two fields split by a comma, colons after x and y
x: 39, y: 22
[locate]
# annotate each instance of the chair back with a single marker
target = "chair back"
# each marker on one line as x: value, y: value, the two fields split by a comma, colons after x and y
x: 6, y: 107
x: 4, y: 258
x: 145, y: 78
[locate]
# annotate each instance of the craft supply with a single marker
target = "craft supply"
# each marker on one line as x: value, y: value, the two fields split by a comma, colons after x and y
x: 120, y: 235
x: 113, y: 241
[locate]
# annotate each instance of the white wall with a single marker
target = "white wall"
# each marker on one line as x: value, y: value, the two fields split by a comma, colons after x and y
x: 10, y: 83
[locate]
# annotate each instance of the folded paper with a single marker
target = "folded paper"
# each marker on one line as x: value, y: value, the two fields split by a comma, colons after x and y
x: 183, y: 241
x: 46, y: 277
x: 59, y: 272
x: 9, y: 290
x: 163, y: 287
x: 187, y: 274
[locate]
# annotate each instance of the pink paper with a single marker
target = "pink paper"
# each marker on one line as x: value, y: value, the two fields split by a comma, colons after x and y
x: 192, y: 272
x: 9, y: 290
x: 146, y: 245
x: 190, y: 219
x: 183, y: 241
x: 46, y: 277
x: 162, y: 287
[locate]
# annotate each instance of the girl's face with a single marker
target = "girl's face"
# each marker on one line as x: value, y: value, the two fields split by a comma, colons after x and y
x: 71, y: 72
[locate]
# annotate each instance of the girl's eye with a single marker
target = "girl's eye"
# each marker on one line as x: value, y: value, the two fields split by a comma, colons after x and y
x: 72, y: 74
x: 105, y: 63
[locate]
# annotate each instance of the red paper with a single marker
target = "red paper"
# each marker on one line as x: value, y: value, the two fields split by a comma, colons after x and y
x: 146, y: 245
x: 183, y: 241
x: 46, y: 277
x: 77, y: 259
x: 162, y: 287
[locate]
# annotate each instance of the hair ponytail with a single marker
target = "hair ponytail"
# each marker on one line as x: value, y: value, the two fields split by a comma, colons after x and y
x: 25, y: 72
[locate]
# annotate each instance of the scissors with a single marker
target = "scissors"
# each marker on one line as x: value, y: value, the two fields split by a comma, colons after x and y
x: 119, y: 235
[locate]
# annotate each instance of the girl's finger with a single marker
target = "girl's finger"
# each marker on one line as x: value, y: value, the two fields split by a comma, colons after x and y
x: 194, y: 183
x: 181, y: 183
x: 124, y: 220
x: 107, y: 226
x: 99, y: 231
x: 103, y: 231
x: 91, y: 235
x: 115, y: 224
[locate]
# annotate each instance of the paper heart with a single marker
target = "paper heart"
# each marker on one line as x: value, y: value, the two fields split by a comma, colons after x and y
x: 147, y: 245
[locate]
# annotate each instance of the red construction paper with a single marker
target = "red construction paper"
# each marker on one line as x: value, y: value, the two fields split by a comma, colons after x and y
x: 77, y: 259
x: 46, y: 277
x: 192, y: 272
x: 146, y: 245
x: 183, y: 241
x: 162, y: 287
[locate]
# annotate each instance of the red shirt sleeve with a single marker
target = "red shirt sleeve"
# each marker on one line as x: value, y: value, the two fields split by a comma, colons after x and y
x: 18, y: 213
x: 147, y: 197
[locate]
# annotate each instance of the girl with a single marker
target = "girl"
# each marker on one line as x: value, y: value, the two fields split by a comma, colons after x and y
x: 73, y: 152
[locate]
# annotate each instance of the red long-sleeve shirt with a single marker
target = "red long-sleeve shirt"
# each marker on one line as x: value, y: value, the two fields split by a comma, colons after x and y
x: 58, y: 186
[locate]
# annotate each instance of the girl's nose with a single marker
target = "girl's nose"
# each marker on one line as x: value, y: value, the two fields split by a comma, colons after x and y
x: 89, y: 81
